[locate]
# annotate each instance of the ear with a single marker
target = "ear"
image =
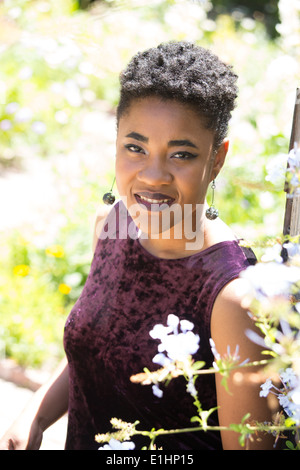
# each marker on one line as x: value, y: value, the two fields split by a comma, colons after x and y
x: 219, y: 158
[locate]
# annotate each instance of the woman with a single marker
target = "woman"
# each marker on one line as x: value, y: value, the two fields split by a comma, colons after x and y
x: 175, y: 105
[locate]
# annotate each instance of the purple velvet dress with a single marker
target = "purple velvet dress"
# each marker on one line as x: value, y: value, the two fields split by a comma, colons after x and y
x: 107, y: 340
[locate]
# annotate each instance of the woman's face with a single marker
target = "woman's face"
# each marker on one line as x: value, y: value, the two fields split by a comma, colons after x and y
x: 164, y: 155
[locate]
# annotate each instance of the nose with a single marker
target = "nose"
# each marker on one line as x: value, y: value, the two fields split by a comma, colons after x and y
x: 154, y: 173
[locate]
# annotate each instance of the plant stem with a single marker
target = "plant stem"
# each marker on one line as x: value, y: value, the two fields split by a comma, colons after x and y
x: 163, y: 432
x: 263, y: 362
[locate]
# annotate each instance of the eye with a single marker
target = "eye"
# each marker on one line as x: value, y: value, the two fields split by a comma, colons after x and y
x: 184, y: 156
x: 134, y: 148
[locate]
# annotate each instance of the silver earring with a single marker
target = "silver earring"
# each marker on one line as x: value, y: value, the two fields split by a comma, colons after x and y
x: 109, y: 198
x: 212, y: 213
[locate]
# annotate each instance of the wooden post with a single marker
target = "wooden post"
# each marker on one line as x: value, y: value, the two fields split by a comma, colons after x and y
x: 291, y: 225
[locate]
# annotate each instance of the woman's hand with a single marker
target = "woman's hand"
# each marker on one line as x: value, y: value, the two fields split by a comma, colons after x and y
x: 22, y: 436
x: 44, y: 408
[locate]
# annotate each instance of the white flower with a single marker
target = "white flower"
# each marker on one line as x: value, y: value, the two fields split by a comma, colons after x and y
x: 288, y: 396
x: 117, y: 445
x: 289, y: 377
x: 159, y: 331
x: 272, y: 253
x: 161, y: 359
x: 191, y: 389
x: 227, y: 359
x: 295, y: 396
x: 271, y: 279
x: 174, y: 345
x: 294, y: 158
x: 173, y: 322
x: 293, y: 249
x: 285, y: 403
x: 256, y: 338
x: 214, y: 350
x: 186, y: 325
x: 265, y: 388
x: 276, y: 169
x: 179, y: 347
x: 157, y: 391
x: 294, y: 406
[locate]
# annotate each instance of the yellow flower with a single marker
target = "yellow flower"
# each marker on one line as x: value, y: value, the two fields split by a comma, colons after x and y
x: 21, y: 270
x: 55, y: 250
x: 64, y: 288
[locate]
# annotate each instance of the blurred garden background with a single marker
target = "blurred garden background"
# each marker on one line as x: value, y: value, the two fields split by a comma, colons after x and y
x: 59, y: 67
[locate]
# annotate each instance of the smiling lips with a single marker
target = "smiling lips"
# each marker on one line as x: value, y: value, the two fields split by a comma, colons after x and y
x: 147, y: 199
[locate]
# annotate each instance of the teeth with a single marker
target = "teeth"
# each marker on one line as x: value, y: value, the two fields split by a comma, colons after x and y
x: 154, y: 201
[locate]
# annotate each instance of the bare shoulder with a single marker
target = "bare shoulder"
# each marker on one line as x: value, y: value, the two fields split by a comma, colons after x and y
x: 229, y: 302
x: 233, y: 292
x: 101, y: 215
x: 230, y: 321
x: 217, y: 231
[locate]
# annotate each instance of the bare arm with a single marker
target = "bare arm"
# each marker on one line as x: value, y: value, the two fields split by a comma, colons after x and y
x: 228, y: 326
x: 45, y: 407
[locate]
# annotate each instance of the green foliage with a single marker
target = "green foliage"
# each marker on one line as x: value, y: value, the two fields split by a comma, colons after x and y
x: 243, y: 429
x: 265, y: 11
x: 37, y: 289
x: 40, y: 280
x: 32, y: 318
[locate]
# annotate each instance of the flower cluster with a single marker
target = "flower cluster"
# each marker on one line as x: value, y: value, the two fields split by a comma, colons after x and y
x: 286, y: 168
x: 114, y: 444
x: 288, y: 395
x: 273, y: 302
x: 271, y: 294
x: 293, y: 173
x: 228, y: 361
x: 224, y: 364
x: 272, y: 278
x: 119, y: 439
x: 177, y: 344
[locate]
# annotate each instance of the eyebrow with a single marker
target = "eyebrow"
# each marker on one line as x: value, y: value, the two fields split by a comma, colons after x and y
x: 181, y: 143
x: 137, y: 136
x: 171, y: 143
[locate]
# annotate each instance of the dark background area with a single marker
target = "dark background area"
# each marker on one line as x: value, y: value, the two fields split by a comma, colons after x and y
x: 265, y: 11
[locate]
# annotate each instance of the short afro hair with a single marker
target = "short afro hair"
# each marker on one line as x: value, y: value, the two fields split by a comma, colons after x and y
x: 186, y: 73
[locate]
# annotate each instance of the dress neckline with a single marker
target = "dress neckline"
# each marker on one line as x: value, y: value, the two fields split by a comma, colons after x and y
x: 197, y: 255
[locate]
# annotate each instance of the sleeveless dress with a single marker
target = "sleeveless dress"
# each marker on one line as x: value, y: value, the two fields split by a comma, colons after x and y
x: 128, y: 291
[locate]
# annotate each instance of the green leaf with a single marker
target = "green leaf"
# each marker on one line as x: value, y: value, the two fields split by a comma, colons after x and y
x: 198, y: 365
x: 235, y: 427
x: 247, y: 416
x: 195, y: 419
x: 290, y: 445
x: 289, y: 422
x: 269, y: 353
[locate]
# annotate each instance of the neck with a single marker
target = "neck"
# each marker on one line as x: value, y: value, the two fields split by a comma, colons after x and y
x: 184, y: 239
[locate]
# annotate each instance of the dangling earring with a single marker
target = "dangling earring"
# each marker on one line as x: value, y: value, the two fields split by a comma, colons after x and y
x: 109, y: 198
x: 212, y: 213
